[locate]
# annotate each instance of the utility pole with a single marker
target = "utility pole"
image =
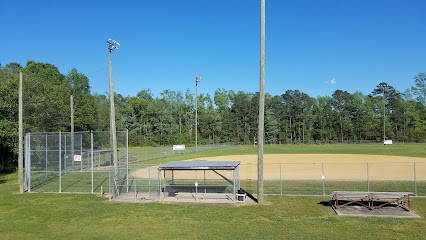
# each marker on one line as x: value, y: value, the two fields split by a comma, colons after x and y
x: 72, y: 128
x: 20, y: 142
x: 260, y: 134
x: 197, y: 80
x: 112, y: 45
x: 384, y: 112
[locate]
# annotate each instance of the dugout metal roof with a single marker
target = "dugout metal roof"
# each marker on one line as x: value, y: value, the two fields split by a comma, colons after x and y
x: 200, y: 165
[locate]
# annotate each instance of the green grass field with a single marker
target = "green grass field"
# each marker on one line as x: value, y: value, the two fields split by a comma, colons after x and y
x: 87, y: 216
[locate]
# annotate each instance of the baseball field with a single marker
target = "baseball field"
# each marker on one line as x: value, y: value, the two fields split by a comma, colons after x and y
x: 88, y: 216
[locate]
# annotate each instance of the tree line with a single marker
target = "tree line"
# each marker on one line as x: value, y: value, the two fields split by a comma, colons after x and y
x: 293, y: 117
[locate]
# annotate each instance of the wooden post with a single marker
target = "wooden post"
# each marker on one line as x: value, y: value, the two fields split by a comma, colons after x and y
x: 113, y: 132
x: 261, y: 105
x: 20, y: 142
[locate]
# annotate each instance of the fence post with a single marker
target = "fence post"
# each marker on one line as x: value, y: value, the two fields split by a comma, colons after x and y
x: 81, y: 152
x: 368, y: 178
x: 134, y: 183
x: 159, y: 185
x: 46, y: 155
x: 127, y: 159
x: 110, y: 197
x: 65, y: 153
x: 29, y: 162
x: 60, y: 162
x: 149, y: 181
x: 415, y: 180
x: 323, y: 180
x: 281, y: 184
x: 91, y: 157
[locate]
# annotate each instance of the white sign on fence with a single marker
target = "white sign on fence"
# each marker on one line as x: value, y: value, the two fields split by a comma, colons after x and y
x: 178, y: 147
x: 77, y: 158
x: 387, y: 142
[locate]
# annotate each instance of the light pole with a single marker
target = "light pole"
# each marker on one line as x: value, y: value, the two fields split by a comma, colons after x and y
x: 112, y: 45
x: 197, y: 80
x: 260, y: 135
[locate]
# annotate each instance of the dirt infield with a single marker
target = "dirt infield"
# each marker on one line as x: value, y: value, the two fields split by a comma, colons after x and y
x: 312, y: 166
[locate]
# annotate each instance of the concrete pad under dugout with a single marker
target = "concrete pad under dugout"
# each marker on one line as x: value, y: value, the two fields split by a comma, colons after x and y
x: 220, y: 199
x: 386, y: 211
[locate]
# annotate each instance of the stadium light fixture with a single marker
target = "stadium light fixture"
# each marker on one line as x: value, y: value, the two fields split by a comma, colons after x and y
x: 112, y: 45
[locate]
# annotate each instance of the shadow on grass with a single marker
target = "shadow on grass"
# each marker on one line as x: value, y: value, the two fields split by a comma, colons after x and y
x: 326, y: 203
x: 4, y: 172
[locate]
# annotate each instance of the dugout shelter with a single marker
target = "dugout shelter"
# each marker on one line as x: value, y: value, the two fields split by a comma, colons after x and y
x: 200, y: 179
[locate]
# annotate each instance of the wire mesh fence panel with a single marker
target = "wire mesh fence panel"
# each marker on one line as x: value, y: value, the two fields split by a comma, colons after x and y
x: 70, y: 162
x: 391, y: 171
x: 420, y: 179
x: 345, y: 171
x: 44, y: 162
x: 302, y: 171
x: 135, y: 184
x: 273, y: 179
x: 302, y: 179
x: 248, y: 177
x: 248, y: 171
x: 345, y: 177
x: 392, y: 186
x: 392, y: 177
x: 141, y: 154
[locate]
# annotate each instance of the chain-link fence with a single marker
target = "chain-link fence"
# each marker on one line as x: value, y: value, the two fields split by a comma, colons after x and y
x: 151, y: 153
x: 71, y: 162
x: 301, y: 179
x: 327, y: 142
x: 81, y: 161
x: 312, y: 179
x: 135, y: 183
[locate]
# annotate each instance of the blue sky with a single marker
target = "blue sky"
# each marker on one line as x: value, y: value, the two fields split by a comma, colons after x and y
x: 313, y: 46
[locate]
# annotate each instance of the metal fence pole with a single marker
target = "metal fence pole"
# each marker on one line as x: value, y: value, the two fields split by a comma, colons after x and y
x: 134, y: 183
x: 159, y: 185
x: 25, y: 162
x: 368, y: 178
x: 60, y: 162
x: 281, y: 184
x: 149, y: 181
x: 127, y: 158
x: 415, y: 180
x: 323, y: 180
x: 81, y: 152
x: 110, y: 197
x: 28, y: 168
x: 46, y: 155
x: 91, y: 153
x: 233, y: 179
x: 65, y: 153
